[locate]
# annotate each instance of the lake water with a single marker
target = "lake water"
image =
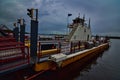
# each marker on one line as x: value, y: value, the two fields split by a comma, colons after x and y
x: 107, y: 66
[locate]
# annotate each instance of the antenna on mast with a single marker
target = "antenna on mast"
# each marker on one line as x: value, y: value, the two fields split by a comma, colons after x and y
x: 89, y: 23
x: 79, y: 15
x: 84, y: 17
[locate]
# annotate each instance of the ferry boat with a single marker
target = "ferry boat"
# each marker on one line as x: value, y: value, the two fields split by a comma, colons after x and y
x: 77, y: 45
x: 52, y: 52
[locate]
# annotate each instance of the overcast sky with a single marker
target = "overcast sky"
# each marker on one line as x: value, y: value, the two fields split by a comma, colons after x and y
x: 104, y: 14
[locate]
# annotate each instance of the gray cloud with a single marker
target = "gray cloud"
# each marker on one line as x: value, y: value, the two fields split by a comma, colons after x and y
x: 104, y: 14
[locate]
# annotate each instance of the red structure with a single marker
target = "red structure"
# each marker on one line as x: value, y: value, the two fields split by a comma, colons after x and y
x: 13, y: 54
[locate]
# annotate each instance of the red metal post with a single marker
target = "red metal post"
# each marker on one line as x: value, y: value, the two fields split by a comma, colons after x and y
x: 79, y: 45
x: 71, y: 44
x: 28, y: 55
x: 74, y: 47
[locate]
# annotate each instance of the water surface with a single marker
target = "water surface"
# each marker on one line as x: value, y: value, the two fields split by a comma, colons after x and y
x: 107, y: 66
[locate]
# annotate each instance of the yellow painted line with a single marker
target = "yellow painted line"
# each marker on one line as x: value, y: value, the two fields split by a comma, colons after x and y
x: 51, y: 51
x: 84, y: 54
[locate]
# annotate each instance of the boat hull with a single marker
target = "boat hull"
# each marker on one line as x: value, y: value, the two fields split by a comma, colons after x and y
x: 71, y: 59
x: 94, y: 51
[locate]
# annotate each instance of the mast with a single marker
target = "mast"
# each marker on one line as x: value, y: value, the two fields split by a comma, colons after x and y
x: 83, y: 21
x: 84, y: 17
x: 89, y: 23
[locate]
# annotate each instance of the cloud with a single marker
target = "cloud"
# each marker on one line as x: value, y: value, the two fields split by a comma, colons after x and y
x: 104, y: 14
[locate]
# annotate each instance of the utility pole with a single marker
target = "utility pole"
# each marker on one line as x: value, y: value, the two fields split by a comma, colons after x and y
x: 33, y: 34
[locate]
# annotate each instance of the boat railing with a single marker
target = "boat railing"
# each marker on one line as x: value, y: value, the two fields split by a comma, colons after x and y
x: 60, y: 47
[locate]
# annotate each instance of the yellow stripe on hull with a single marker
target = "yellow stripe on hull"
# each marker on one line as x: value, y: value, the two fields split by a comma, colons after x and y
x: 85, y: 54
